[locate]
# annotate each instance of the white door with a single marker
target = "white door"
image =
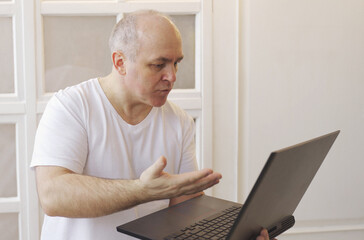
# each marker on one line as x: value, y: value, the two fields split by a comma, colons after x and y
x: 49, y: 45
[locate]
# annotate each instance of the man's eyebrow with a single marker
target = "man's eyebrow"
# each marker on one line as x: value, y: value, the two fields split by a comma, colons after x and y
x: 163, y: 59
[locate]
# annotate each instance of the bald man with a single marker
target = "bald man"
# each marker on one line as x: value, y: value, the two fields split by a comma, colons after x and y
x: 102, y: 146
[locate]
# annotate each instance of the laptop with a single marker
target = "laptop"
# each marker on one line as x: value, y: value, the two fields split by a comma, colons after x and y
x: 270, y: 204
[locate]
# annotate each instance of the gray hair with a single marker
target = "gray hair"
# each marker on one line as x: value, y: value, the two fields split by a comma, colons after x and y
x: 124, y: 36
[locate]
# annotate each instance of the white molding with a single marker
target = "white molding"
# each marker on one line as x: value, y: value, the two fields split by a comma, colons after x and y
x: 29, y: 221
x: 236, y: 148
x: 10, y: 118
x: 198, y: 135
x: 45, y: 97
x: 206, y: 85
x: 7, y: 9
x: 243, y: 100
x: 325, y: 226
x: 21, y: 177
x: 194, y: 113
x: 187, y: 103
x: 113, y: 8
x: 9, y: 205
x: 39, y: 53
x: 12, y: 108
x: 41, y: 106
x: 8, y: 97
x: 198, y: 51
x: 185, y: 93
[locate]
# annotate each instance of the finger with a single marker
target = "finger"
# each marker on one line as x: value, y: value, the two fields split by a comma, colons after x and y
x: 264, y: 234
x: 156, y: 169
x: 189, y: 186
x: 193, y: 177
x: 201, y: 184
x: 188, y: 190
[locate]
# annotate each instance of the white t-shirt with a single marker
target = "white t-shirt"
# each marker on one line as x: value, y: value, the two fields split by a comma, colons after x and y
x: 80, y: 130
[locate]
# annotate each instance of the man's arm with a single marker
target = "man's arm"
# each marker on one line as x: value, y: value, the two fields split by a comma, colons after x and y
x: 67, y: 194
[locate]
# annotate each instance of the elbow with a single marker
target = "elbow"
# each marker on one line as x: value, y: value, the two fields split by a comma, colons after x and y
x: 48, y: 204
x: 49, y: 193
x: 49, y: 210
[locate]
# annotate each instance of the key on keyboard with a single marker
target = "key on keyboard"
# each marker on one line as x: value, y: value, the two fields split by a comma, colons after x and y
x: 214, y: 227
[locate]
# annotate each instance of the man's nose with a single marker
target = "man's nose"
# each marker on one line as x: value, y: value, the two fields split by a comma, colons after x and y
x: 170, y: 73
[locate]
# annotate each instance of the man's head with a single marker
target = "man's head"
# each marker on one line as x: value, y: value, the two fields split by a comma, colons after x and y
x: 125, y: 36
x: 146, y: 48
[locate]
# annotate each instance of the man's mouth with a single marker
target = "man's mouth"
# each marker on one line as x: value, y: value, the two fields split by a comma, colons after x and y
x: 165, y: 90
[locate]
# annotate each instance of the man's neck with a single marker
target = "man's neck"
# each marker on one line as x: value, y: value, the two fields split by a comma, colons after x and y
x: 130, y: 111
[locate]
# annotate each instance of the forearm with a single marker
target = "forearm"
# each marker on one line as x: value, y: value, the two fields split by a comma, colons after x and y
x: 74, y: 195
x: 67, y: 194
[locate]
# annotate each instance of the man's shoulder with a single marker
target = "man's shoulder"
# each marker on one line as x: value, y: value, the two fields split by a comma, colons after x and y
x: 75, y: 99
x: 82, y: 89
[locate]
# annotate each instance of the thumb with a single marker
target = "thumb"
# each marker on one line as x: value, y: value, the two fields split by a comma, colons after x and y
x: 156, y: 169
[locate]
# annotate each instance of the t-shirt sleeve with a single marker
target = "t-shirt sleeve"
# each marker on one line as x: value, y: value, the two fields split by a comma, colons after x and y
x: 61, y: 138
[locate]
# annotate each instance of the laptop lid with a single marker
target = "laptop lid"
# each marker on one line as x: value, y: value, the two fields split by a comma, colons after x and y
x: 280, y: 187
x: 271, y: 203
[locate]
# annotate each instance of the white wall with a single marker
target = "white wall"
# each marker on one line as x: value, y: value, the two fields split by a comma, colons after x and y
x: 284, y: 72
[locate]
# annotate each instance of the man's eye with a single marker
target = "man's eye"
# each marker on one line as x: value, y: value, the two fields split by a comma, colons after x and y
x: 158, y: 66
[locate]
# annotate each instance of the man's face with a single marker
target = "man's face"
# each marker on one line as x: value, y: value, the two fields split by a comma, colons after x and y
x: 151, y: 76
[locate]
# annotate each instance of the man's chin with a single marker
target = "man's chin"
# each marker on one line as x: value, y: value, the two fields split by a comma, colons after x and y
x: 159, y: 102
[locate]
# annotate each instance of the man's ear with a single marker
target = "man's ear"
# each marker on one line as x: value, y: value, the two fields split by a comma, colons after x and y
x: 118, y: 60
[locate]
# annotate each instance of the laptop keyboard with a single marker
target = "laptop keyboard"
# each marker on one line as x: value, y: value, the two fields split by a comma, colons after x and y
x: 214, y: 227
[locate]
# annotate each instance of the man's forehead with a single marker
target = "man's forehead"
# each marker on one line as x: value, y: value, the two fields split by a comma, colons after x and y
x: 159, y: 40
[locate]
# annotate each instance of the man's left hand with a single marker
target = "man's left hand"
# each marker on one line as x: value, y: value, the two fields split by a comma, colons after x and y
x: 264, y: 235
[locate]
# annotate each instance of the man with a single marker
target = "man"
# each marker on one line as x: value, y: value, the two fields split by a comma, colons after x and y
x: 102, y: 146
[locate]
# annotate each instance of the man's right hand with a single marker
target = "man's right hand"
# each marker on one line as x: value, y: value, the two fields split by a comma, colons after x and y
x: 68, y: 194
x: 161, y: 185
